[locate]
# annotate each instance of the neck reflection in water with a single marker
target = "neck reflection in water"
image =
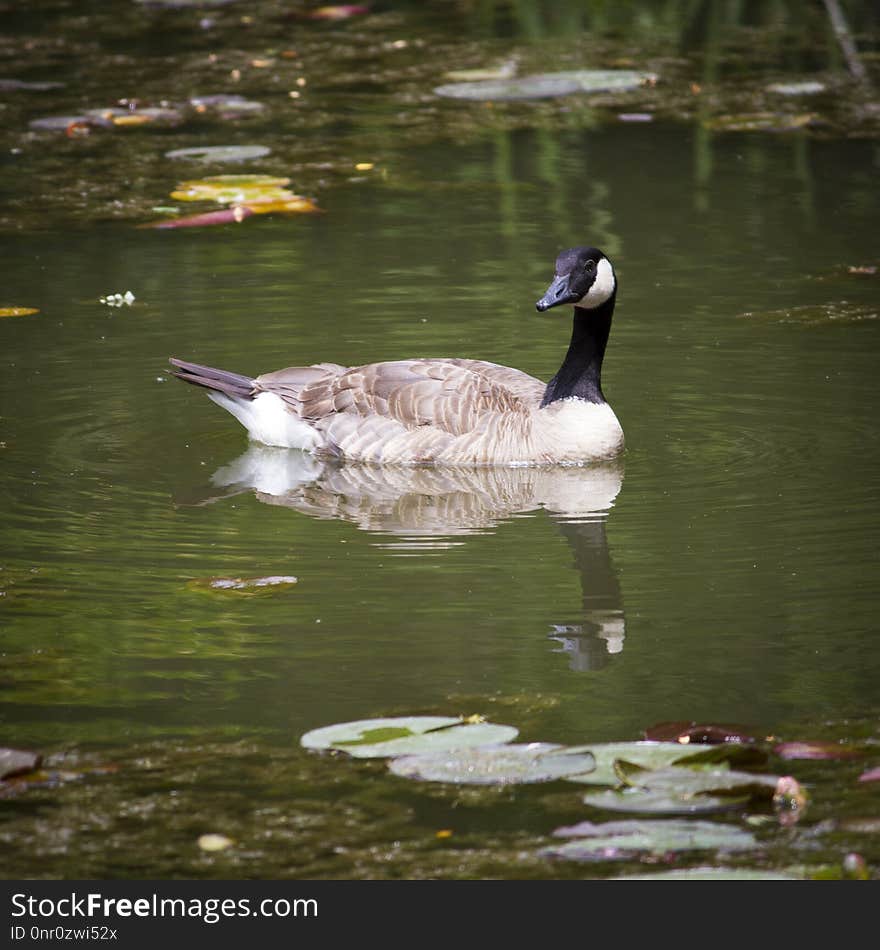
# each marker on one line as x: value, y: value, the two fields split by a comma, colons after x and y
x: 423, y: 508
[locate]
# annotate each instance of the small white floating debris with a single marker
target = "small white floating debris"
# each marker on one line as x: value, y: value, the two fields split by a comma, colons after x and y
x: 118, y: 300
x: 214, y: 842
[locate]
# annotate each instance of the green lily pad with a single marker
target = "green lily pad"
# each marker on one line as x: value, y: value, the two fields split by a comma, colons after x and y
x: 497, y: 765
x: 220, y: 153
x: 547, y: 85
x: 648, y: 755
x: 688, y: 782
x: 624, y: 840
x: 404, y: 735
x: 659, y: 802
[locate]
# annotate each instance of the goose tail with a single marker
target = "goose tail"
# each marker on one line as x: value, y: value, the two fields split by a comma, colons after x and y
x: 219, y: 380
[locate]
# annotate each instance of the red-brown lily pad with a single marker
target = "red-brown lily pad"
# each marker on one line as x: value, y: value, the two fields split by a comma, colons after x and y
x: 233, y: 215
x: 694, y: 732
x: 816, y: 750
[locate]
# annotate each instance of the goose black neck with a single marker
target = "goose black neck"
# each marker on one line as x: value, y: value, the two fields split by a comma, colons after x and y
x: 581, y: 370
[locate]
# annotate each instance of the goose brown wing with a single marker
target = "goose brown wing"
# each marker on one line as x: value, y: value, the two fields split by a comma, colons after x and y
x: 453, y: 395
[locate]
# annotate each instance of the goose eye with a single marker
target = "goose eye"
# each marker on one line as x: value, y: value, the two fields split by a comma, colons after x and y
x: 589, y: 266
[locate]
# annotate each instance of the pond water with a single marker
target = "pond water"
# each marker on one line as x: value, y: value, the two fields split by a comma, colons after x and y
x: 723, y: 569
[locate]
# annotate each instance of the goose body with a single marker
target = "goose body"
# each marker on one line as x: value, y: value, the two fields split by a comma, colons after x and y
x: 444, y: 411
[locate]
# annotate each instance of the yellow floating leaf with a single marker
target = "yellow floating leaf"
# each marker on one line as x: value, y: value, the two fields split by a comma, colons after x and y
x: 135, y: 118
x: 17, y: 311
x: 295, y: 204
x: 233, y: 189
x: 364, y: 166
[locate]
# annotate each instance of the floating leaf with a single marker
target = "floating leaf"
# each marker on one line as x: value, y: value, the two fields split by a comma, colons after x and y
x: 648, y: 755
x: 686, y: 732
x: 546, y: 85
x: 295, y: 204
x: 62, y: 123
x: 17, y: 761
x: 688, y: 782
x: 624, y: 840
x: 378, y: 738
x: 10, y: 85
x: 807, y: 88
x: 220, y: 153
x: 226, y: 106
x: 712, y: 874
x: 234, y: 189
x: 761, y: 122
x: 342, y: 11
x: 497, y: 765
x: 249, y: 585
x: 176, y: 4
x: 872, y: 775
x: 506, y: 70
x: 651, y: 802
x: 816, y: 750
x: 233, y: 215
x: 17, y: 311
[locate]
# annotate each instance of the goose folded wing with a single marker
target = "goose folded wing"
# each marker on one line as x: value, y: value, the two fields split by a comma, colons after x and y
x: 454, y: 396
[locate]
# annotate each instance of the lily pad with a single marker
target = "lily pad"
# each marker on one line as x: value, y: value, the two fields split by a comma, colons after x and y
x: 687, y: 732
x: 816, y: 750
x: 761, y: 122
x: 62, y: 123
x: 498, y: 765
x: 234, y: 189
x: 688, y: 782
x: 220, y: 153
x: 624, y: 840
x: 11, y: 85
x: 658, y: 802
x: 226, y: 106
x: 648, y: 755
x: 341, y: 11
x: 233, y: 215
x: 806, y: 88
x: 380, y: 738
x: 547, y: 85
x: 712, y: 874
x: 17, y: 761
x: 17, y: 311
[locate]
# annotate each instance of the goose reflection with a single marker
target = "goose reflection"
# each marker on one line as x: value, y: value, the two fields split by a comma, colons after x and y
x: 429, y: 507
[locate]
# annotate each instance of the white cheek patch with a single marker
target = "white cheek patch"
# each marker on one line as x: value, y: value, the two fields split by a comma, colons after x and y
x: 602, y: 289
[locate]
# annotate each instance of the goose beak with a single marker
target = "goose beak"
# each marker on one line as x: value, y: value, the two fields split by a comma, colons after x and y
x: 557, y: 293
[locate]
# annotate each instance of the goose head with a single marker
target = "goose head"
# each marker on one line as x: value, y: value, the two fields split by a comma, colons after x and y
x: 584, y: 277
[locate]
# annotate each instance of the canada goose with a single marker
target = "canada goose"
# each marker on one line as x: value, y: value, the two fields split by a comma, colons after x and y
x: 444, y: 411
